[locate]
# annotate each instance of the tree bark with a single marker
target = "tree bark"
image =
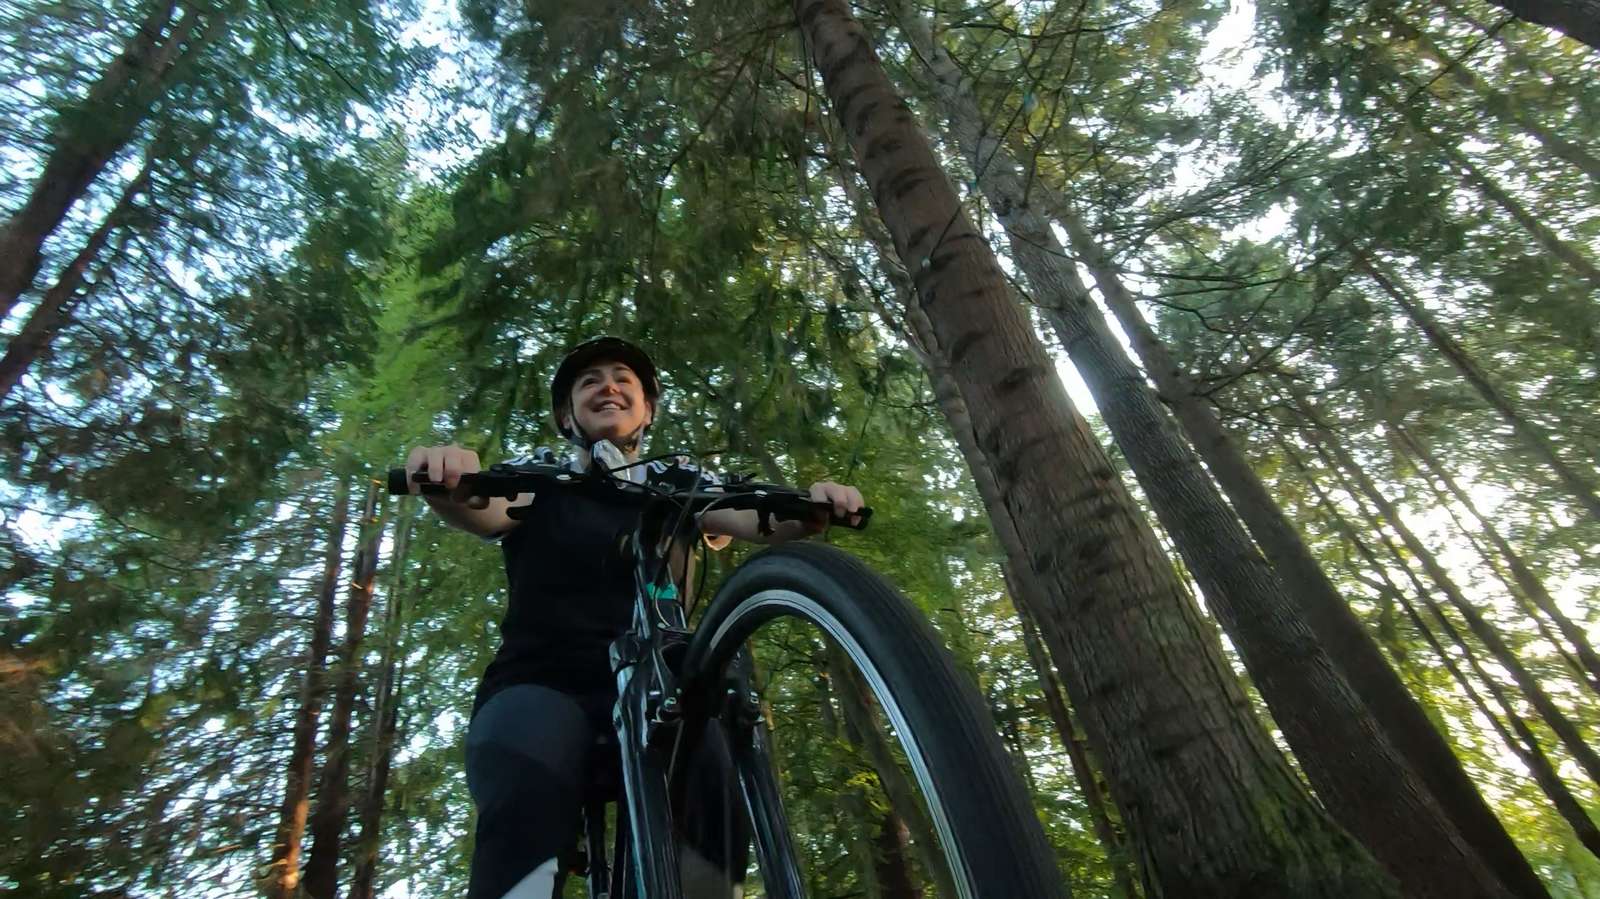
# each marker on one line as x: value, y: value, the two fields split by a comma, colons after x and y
x: 1322, y: 439
x: 1362, y: 779
x: 891, y: 848
x: 53, y: 311
x: 918, y: 333
x: 861, y: 725
x: 1082, y: 769
x: 88, y: 138
x: 385, y: 713
x: 333, y: 796
x: 1381, y: 690
x: 1513, y: 731
x: 856, y: 804
x: 1143, y: 667
x: 1577, y: 19
x: 284, y: 877
x: 1531, y: 434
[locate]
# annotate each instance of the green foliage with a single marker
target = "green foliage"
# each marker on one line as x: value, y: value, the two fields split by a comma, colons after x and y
x: 293, y: 306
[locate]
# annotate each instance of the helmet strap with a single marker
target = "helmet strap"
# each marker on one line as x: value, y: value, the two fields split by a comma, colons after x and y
x: 610, y: 455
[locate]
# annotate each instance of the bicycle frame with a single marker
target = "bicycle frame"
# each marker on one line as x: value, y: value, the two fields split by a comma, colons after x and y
x: 651, y: 698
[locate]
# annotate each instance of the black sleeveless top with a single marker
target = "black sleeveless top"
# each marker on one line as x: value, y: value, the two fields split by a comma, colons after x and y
x: 571, y: 589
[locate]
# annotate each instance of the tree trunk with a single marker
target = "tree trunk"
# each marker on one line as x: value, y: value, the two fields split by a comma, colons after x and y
x: 856, y: 805
x: 861, y: 724
x: 1522, y: 575
x: 1520, y: 737
x: 918, y: 333
x: 1497, y: 103
x: 1322, y: 438
x: 1341, y: 634
x: 1082, y: 770
x: 1516, y: 592
x: 1577, y: 19
x: 1522, y: 741
x: 88, y: 138
x: 960, y: 424
x: 53, y: 310
x: 890, y: 846
x: 1143, y: 666
x: 333, y: 797
x: 1531, y: 434
x: 284, y: 878
x: 385, y: 713
x: 1572, y: 256
x: 1363, y: 780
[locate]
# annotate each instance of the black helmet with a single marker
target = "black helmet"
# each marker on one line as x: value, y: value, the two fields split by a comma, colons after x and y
x: 611, y: 349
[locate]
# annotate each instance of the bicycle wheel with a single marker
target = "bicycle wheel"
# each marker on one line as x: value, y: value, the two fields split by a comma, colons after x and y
x: 991, y: 839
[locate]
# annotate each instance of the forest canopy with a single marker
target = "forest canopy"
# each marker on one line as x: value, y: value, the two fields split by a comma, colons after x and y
x: 1223, y: 378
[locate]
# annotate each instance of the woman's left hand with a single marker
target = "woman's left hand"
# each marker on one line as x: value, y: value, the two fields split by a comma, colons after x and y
x: 846, y: 502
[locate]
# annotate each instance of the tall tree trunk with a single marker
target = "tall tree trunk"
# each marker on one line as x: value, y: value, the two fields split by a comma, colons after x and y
x: 1534, y: 437
x: 1381, y: 690
x: 1513, y: 731
x: 1323, y: 440
x: 91, y: 135
x: 918, y: 333
x: 856, y: 805
x: 1572, y: 256
x: 53, y: 310
x: 386, y: 712
x: 861, y: 724
x: 1498, y: 104
x: 1143, y: 666
x: 1522, y: 574
x: 1008, y: 716
x: 1516, y: 592
x: 1577, y: 19
x: 1362, y: 779
x: 284, y: 878
x: 1082, y: 770
x: 891, y: 847
x: 333, y: 796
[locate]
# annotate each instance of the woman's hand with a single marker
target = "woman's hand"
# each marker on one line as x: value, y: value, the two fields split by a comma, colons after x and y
x: 846, y: 502
x: 744, y: 524
x: 444, y: 465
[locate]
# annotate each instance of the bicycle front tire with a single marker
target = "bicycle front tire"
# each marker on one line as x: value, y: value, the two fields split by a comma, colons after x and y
x: 991, y: 836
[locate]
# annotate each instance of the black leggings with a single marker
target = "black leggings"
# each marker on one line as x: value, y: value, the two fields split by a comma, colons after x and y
x: 528, y: 757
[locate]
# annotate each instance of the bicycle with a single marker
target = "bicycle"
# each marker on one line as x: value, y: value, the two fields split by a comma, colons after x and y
x: 671, y: 681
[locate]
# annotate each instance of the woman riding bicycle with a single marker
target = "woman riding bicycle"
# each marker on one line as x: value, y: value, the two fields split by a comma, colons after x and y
x: 546, y: 698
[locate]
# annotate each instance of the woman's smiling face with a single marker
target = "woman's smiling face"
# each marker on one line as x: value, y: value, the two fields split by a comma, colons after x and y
x: 608, y: 402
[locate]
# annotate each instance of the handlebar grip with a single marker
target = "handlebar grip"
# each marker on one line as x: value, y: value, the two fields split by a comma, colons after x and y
x: 398, y: 486
x: 864, y: 514
x: 807, y: 509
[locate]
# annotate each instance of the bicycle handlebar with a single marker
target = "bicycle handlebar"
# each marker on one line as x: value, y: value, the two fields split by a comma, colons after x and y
x: 781, y: 502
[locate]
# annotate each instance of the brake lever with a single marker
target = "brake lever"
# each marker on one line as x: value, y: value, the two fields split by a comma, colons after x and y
x: 855, y: 521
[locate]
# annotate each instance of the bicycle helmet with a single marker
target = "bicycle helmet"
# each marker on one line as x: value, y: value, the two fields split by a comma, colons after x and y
x: 580, y: 357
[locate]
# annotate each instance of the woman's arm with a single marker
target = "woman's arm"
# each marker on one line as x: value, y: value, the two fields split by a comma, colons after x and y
x: 744, y: 524
x: 445, y: 465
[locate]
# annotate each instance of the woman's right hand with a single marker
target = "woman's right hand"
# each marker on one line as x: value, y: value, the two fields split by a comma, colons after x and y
x: 444, y: 464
